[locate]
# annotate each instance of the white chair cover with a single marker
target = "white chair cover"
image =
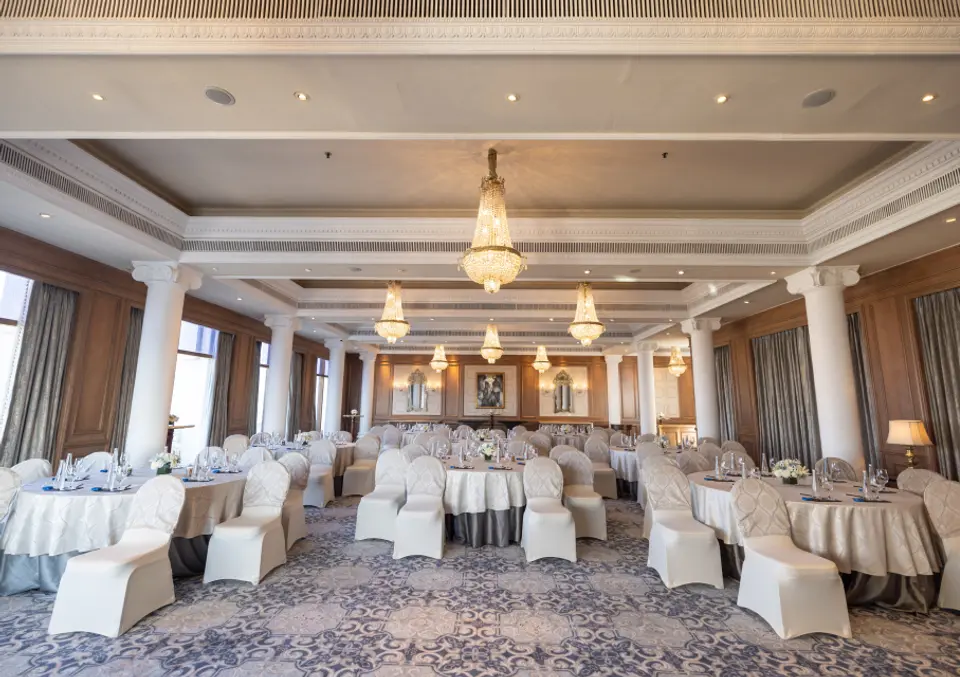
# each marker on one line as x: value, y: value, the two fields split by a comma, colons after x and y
x: 267, y: 486
x: 98, y: 460
x: 844, y: 470
x: 423, y: 439
x: 598, y: 453
x: 667, y: 487
x: 392, y: 437
x: 462, y: 432
x: 236, y: 444
x: 420, y: 522
x: 646, y: 437
x: 525, y: 435
x: 710, y: 452
x: 33, y: 469
x: 691, y: 461
x: 9, y: 488
x: 733, y: 458
x: 548, y: 527
x: 708, y: 440
x: 261, y: 439
x: 322, y: 452
x: 560, y: 450
x: 516, y: 430
x: 157, y: 505
x: 516, y: 448
x: 426, y: 476
x: 601, y: 432
x: 299, y: 468
x: 542, y: 478
x: 392, y: 469
x: 342, y: 437
x: 648, y: 448
x: 616, y: 440
x: 375, y: 430
x: 576, y: 468
x: 541, y: 441
x: 732, y: 445
x: 760, y: 509
x: 916, y: 480
x: 497, y: 433
x: 377, y: 512
x: 368, y: 448
x: 596, y: 443
x: 604, y: 477
x: 440, y: 446
x: 320, y: 489
x: 943, y: 505
x: 585, y: 504
x: 253, y: 456
x: 413, y: 452
x: 292, y: 516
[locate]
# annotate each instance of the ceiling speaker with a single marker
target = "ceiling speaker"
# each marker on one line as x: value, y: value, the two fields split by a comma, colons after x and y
x: 220, y: 96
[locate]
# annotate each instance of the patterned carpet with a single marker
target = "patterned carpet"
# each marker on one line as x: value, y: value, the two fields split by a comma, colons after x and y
x: 345, y: 608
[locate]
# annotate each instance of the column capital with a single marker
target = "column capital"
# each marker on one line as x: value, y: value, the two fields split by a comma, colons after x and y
x: 282, y: 322
x: 700, y: 324
x: 170, y: 272
x: 335, y: 344
x: 817, y: 277
x: 646, y: 346
x: 613, y: 359
x: 368, y: 354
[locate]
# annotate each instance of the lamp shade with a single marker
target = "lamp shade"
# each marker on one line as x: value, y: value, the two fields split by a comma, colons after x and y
x: 908, y: 433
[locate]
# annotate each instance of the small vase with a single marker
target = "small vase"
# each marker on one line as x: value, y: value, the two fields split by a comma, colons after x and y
x: 789, y: 480
x: 164, y: 470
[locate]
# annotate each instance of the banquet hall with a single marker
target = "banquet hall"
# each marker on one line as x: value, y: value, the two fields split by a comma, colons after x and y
x: 538, y: 339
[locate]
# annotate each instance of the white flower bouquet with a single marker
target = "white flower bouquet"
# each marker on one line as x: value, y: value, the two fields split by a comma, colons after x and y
x: 487, y: 450
x: 790, y: 470
x: 566, y: 429
x: 163, y: 463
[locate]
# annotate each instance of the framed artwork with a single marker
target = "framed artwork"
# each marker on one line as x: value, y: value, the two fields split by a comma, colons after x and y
x: 491, y: 391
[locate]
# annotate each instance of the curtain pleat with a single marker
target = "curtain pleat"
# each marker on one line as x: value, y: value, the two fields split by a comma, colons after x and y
x: 293, y: 400
x: 252, y: 422
x: 128, y: 376
x: 31, y: 428
x: 938, y: 318
x: 786, y: 408
x: 861, y: 377
x: 724, y: 367
x: 221, y: 390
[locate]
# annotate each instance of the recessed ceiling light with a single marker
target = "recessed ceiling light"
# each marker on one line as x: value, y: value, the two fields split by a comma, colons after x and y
x: 712, y: 289
x: 302, y: 96
x: 612, y: 320
x: 773, y: 272
x: 401, y: 270
x: 679, y: 272
x: 313, y: 318
x: 491, y: 319
x: 746, y: 302
x: 820, y: 97
x: 551, y: 319
x: 354, y: 269
x: 214, y: 269
x: 512, y: 98
x: 431, y: 319
x: 586, y: 272
x: 927, y: 98
x: 668, y: 333
x: 670, y: 319
x: 44, y: 215
x: 239, y: 298
x: 97, y: 97
x: 952, y: 219
x: 314, y: 331
x: 308, y: 270
x: 721, y: 98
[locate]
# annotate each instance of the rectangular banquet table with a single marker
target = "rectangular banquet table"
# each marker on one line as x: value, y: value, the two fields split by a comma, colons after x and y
x: 484, y: 506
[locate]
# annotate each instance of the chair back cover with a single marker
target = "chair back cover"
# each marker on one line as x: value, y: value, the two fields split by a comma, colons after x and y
x: 33, y: 469
x: 667, y: 487
x: 942, y: 500
x: 299, y: 468
x: 560, y: 450
x: 732, y: 459
x: 497, y: 433
x: 375, y: 430
x: 368, y: 447
x: 616, y: 440
x: 236, y: 444
x: 646, y: 437
x: 657, y: 459
x: 647, y: 448
x: 576, y: 468
x: 541, y: 441
x: 542, y: 478
x: 515, y: 448
x: 322, y: 452
x: 413, y: 451
x: 525, y: 435
x: 423, y: 439
x: 342, y: 437
x: 710, y: 451
x: 760, y: 509
x: 462, y: 432
x: 267, y: 486
x: 601, y: 432
x: 392, y: 437
x: 440, y: 446
x: 261, y: 439
x: 691, y: 461
x: 516, y: 430
x: 392, y: 469
x: 595, y: 443
x: 844, y: 469
x: 598, y: 453
x: 211, y: 455
x: 916, y: 480
x: 731, y: 445
x: 9, y: 488
x: 426, y: 476
x: 157, y: 504
x: 710, y: 440
x: 253, y: 456
x: 98, y: 460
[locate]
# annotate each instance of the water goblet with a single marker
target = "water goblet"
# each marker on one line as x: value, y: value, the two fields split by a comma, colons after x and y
x: 880, y: 479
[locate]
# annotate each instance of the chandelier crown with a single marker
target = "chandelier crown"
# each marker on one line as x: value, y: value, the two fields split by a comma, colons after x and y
x: 585, y: 327
x: 392, y: 325
x: 676, y: 366
x: 439, y: 361
x: 491, y: 350
x: 541, y: 363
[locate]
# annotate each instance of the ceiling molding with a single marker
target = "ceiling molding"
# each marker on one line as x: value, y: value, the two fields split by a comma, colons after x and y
x: 520, y: 307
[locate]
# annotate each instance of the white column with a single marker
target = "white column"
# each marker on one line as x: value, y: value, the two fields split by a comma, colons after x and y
x: 276, y: 390
x: 332, y: 421
x: 167, y: 283
x: 705, y: 398
x: 614, y: 403
x: 647, y: 404
x: 369, y: 358
x: 838, y: 414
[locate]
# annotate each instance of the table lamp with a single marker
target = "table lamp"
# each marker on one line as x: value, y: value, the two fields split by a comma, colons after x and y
x: 909, y: 434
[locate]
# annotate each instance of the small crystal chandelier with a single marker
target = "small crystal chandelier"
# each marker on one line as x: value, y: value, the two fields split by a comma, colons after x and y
x: 439, y: 361
x: 585, y: 327
x: 392, y: 325
x: 676, y: 366
x: 491, y: 259
x: 541, y: 363
x: 491, y: 350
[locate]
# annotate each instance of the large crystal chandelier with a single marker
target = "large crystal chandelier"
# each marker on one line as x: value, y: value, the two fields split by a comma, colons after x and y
x: 392, y: 325
x: 439, y: 361
x: 540, y: 362
x: 491, y: 260
x: 585, y: 327
x: 491, y: 350
x: 676, y: 365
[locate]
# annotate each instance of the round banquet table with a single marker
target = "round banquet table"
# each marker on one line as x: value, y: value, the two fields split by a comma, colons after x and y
x: 886, y: 552
x: 624, y: 464
x: 47, y: 528
x: 484, y: 506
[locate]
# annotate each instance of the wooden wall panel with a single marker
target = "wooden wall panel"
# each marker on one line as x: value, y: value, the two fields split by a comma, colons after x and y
x: 597, y: 384
x: 529, y: 383
x: 688, y: 408
x: 628, y: 390
x: 382, y: 390
x: 353, y: 383
x: 452, y: 390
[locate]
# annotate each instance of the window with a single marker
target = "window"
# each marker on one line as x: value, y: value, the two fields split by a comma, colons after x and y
x: 320, y: 393
x: 14, y: 294
x: 193, y: 388
x: 264, y: 364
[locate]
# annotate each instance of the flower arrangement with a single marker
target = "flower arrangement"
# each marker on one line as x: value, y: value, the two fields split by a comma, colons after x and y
x: 790, y: 470
x: 566, y: 429
x: 172, y: 419
x: 487, y: 450
x: 163, y: 463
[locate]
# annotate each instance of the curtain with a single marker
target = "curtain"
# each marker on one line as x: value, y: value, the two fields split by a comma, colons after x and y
x: 221, y: 390
x: 724, y: 366
x: 31, y: 428
x: 938, y: 317
x: 861, y: 377
x: 128, y: 376
x: 786, y: 407
x: 252, y: 423
x: 293, y: 400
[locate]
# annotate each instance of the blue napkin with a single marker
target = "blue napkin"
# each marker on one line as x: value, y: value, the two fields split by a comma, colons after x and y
x: 861, y: 499
x: 48, y: 488
x: 216, y: 471
x: 104, y: 470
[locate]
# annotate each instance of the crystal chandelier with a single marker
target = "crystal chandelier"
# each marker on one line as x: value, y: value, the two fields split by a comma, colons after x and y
x: 541, y: 363
x: 676, y: 366
x: 439, y: 361
x: 392, y: 325
x: 491, y: 350
x: 491, y: 259
x: 585, y: 327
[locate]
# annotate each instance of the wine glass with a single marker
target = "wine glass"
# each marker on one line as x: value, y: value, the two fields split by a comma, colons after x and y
x: 880, y: 479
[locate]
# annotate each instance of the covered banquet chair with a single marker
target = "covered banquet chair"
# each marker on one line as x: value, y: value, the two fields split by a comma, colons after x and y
x: 236, y: 444
x: 319, y: 491
x: 420, y: 522
x: 391, y: 437
x: 560, y: 450
x: 691, y: 461
x: 585, y: 504
x: 942, y: 500
x: 916, y: 480
x: 33, y: 469
x: 253, y: 456
x: 292, y: 516
x: 604, y: 478
x: 840, y: 469
x: 377, y: 512
x: 548, y: 526
x: 359, y: 478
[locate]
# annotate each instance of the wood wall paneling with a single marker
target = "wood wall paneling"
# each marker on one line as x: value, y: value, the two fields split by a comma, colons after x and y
x: 452, y: 389
x: 628, y: 390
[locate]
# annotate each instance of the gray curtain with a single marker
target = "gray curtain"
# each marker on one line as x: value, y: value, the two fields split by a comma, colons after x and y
x: 861, y: 376
x: 221, y: 390
x: 128, y: 377
x: 252, y: 422
x: 938, y: 317
x: 31, y: 430
x: 293, y: 400
x: 724, y: 366
x: 786, y: 407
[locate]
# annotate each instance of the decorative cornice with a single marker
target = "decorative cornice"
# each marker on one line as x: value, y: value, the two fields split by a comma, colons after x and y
x: 818, y: 277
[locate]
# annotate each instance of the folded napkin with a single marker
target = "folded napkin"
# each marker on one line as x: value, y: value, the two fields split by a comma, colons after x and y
x: 861, y: 499
x: 710, y: 478
x: 814, y: 499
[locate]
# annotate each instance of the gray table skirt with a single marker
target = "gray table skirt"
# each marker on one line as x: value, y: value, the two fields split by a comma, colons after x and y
x: 493, y: 527
x: 627, y: 489
x: 893, y: 591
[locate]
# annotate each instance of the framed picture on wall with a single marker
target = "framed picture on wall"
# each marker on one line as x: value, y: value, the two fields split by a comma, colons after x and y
x: 491, y: 391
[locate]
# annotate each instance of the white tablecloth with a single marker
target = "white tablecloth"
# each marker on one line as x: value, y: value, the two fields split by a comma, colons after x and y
x: 624, y: 463
x: 482, y: 489
x: 875, y: 539
x: 55, y: 523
